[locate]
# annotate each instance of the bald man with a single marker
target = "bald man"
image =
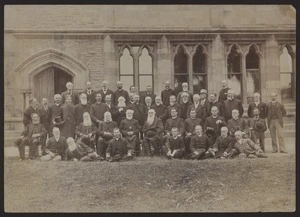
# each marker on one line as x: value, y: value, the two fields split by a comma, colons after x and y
x: 166, y: 93
x: 74, y: 95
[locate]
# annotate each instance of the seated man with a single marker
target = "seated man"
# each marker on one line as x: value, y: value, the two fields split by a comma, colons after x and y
x: 55, y: 147
x: 174, y: 147
x: 257, y: 127
x: 174, y: 121
x: 213, y: 124
x: 105, y: 132
x: 86, y: 131
x: 32, y: 136
x: 223, y: 147
x: 236, y: 123
x: 199, y: 144
x: 190, y: 124
x: 161, y: 110
x: 80, y: 152
x: 246, y: 147
x: 119, y: 148
x: 130, y: 129
x: 152, y: 129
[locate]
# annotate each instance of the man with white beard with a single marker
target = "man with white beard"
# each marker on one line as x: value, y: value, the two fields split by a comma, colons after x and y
x: 130, y: 129
x: 237, y: 123
x: 184, y: 106
x: 55, y: 112
x: 86, y: 131
x: 161, y: 110
x: 148, y: 103
x: 105, y: 133
x: 81, y: 108
x: 121, y: 107
x: 185, y: 89
x: 111, y: 108
x: 152, y: 129
x: 230, y: 104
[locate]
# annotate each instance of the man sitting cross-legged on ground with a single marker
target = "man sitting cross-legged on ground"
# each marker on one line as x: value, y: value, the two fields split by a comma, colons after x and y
x: 174, y: 147
x: 199, y: 144
x: 130, y: 129
x: 223, y: 147
x: 119, y: 148
x: 86, y: 131
x: 246, y: 147
x: 55, y: 147
x: 32, y: 136
x: 105, y: 132
x: 152, y: 129
x: 78, y: 151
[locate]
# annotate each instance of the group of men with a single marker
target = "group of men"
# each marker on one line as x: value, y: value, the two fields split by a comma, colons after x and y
x: 120, y: 125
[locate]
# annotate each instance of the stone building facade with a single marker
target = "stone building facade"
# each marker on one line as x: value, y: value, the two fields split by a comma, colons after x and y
x: 46, y: 46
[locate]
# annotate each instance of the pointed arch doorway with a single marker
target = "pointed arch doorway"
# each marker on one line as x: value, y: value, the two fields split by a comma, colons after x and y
x: 49, y: 82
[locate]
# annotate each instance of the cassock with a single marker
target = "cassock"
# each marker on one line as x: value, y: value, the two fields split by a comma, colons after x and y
x: 139, y: 112
x: 191, y: 123
x: 68, y: 116
x: 74, y: 96
x: 176, y: 122
x: 223, y: 95
x: 55, y: 111
x: 183, y: 108
x: 165, y: 96
x: 116, y: 94
x: 45, y: 117
x: 97, y: 111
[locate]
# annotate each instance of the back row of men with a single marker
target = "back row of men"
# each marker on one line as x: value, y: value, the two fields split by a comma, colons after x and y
x: 147, y: 124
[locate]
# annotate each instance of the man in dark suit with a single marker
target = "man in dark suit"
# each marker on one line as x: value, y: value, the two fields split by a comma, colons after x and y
x: 199, y: 144
x: 223, y: 91
x: 204, y: 104
x: 55, y: 147
x: 237, y: 123
x: 55, y: 112
x: 98, y: 109
x: 261, y: 106
x: 45, y: 119
x: 185, y: 89
x: 174, y: 146
x: 230, y: 104
x: 173, y: 104
x: 184, y: 106
x: 32, y: 136
x: 105, y: 91
x: 214, y: 102
x: 161, y: 110
x: 90, y: 93
x: 139, y: 110
x: 33, y: 108
x: 111, y: 108
x: 81, y: 108
x: 149, y: 92
x: 120, y: 92
x: 71, y: 92
x: 166, y: 93
x: 119, y: 148
x: 276, y: 112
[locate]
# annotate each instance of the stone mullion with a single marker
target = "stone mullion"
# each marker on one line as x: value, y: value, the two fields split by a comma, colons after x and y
x: 190, y: 72
x: 244, y: 80
x: 136, y: 71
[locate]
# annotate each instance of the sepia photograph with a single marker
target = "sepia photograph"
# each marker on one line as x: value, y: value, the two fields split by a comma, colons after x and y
x: 149, y: 108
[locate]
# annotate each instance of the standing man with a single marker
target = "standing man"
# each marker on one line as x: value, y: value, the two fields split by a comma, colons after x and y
x: 68, y: 116
x: 33, y: 108
x: 214, y: 102
x: 237, y: 123
x: 98, y: 109
x: 55, y: 112
x: 120, y: 92
x: 132, y: 89
x: 166, y: 93
x: 105, y: 91
x: 149, y: 92
x: 90, y: 93
x: 45, y: 119
x: 196, y: 106
x: 139, y: 110
x: 32, y: 136
x: 276, y: 112
x: 230, y: 104
x: 81, y: 108
x: 261, y: 106
x: 161, y: 110
x: 185, y: 89
x: 173, y: 105
x: 148, y: 102
x: 111, y: 108
x: 204, y: 104
x: 223, y: 91
x: 184, y: 106
x: 71, y: 92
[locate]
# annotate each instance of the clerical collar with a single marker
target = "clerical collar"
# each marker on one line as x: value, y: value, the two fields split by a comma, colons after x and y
x: 56, y: 138
x: 215, y: 116
x: 235, y: 118
x: 240, y: 141
x: 98, y: 102
x: 256, y: 103
x: 174, y: 117
x: 57, y: 104
x: 117, y: 139
x: 120, y: 90
x: 45, y: 107
x: 215, y: 101
x: 175, y: 137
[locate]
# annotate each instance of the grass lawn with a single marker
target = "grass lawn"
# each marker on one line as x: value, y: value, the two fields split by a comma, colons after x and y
x: 151, y: 185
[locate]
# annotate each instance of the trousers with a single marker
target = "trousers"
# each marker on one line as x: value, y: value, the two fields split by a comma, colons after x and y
x: 33, y: 147
x: 277, y: 130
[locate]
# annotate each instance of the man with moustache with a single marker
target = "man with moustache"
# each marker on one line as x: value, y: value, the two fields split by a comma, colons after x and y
x: 213, y: 124
x: 86, y: 131
x: 33, y: 108
x: 166, y: 93
x: 120, y: 92
x: 237, y: 123
x: 32, y: 136
x: 152, y: 129
x: 98, y: 109
x: 130, y: 129
x: 81, y: 108
x: 131, y: 95
x: 184, y: 106
x: 185, y: 89
x: 161, y: 110
x: 68, y: 116
x: 71, y: 92
x: 105, y: 91
x: 55, y: 147
x: 261, y: 106
x: 105, y: 133
x: 55, y: 113
x: 111, y: 108
x: 173, y: 104
x: 148, y: 103
x: 223, y: 91
x: 230, y: 104
x: 90, y: 93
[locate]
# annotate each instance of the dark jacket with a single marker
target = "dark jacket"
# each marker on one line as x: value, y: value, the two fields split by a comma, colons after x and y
x: 55, y: 111
x: 239, y: 124
x: 97, y: 111
x: 122, y: 142
x: 191, y: 123
x: 106, y: 127
x: 246, y: 144
x: 68, y: 116
x: 57, y: 147
x: 91, y: 98
x: 45, y: 117
x: 219, y: 105
x: 27, y: 115
x: 173, y: 144
x: 31, y: 129
x: 179, y: 100
x: 81, y: 151
x: 79, y: 110
x: 156, y: 126
x: 199, y: 142
x: 262, y: 107
x: 139, y: 112
x: 177, y: 122
x: 183, y: 108
x: 223, y: 95
x: 145, y: 94
x: 165, y: 96
x: 281, y: 112
x: 103, y: 95
x: 229, y: 105
x: 116, y: 94
x: 211, y: 126
x: 129, y: 125
x: 170, y: 107
x: 74, y: 96
x: 161, y: 111
x: 224, y: 144
x: 85, y: 130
